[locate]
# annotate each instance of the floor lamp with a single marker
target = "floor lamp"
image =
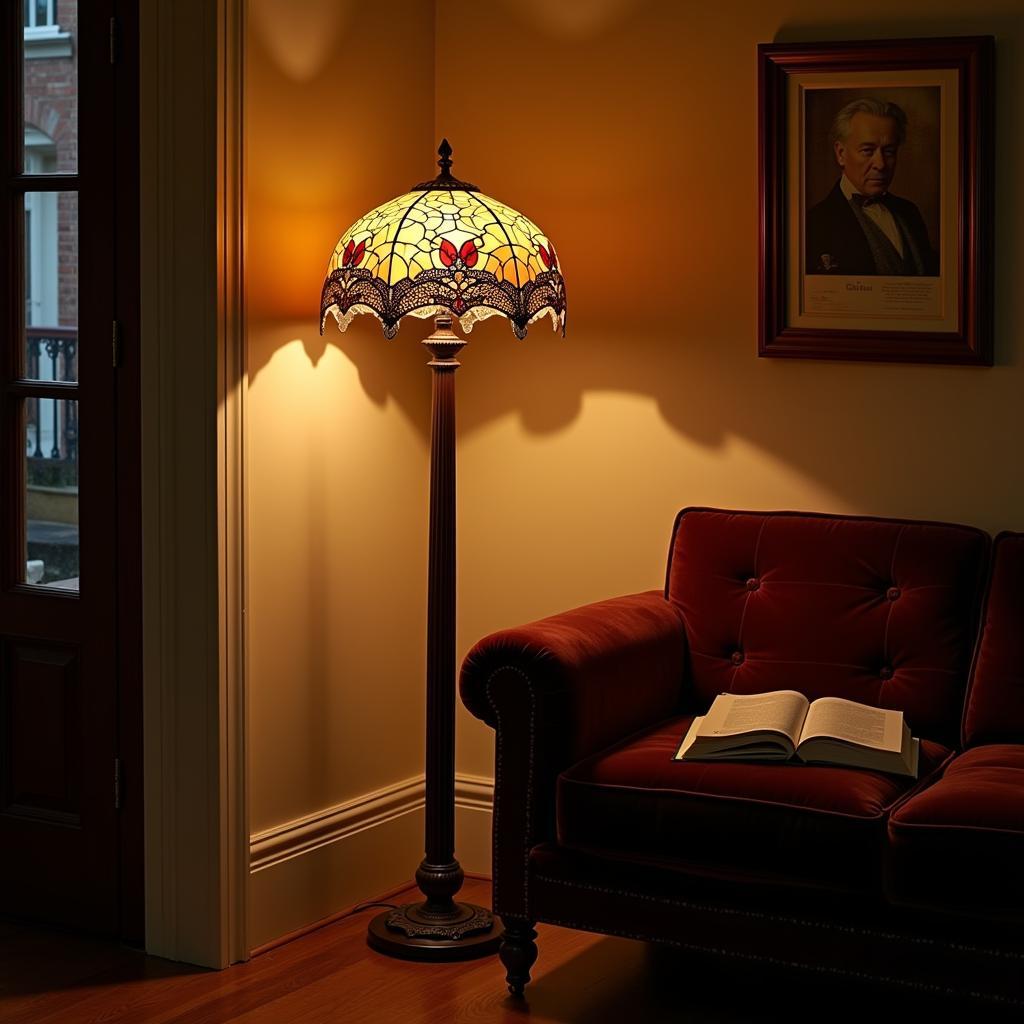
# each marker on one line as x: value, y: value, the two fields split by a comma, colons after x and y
x: 446, y: 250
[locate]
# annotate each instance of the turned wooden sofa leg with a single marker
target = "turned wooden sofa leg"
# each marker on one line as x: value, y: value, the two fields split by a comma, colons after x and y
x: 518, y: 952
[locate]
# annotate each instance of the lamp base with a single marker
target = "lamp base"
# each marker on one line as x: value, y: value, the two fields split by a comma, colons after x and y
x: 410, y: 933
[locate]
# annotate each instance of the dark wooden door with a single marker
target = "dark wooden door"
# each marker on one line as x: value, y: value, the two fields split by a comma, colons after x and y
x: 61, y: 844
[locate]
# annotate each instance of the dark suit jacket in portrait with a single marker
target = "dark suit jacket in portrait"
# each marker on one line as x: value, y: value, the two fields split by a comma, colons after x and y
x: 842, y: 240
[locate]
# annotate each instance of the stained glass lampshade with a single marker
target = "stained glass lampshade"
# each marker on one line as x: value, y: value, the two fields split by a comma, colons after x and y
x: 444, y: 248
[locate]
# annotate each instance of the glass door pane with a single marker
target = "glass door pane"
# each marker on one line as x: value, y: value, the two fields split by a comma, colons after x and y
x: 51, y: 492
x: 50, y: 350
x: 51, y: 87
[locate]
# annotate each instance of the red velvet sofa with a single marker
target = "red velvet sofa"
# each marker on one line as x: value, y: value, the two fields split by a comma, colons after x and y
x: 840, y: 871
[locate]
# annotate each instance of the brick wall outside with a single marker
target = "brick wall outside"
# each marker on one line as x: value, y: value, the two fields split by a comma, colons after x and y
x: 51, y: 106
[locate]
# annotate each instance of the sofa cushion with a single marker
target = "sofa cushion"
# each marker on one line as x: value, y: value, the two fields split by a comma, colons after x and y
x: 995, y: 701
x: 808, y: 824
x: 959, y: 844
x: 881, y: 611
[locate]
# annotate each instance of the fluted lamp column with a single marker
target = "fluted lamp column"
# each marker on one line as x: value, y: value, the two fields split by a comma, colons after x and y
x: 444, y: 250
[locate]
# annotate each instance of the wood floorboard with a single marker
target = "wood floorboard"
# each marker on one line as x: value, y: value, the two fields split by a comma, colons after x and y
x: 329, y: 976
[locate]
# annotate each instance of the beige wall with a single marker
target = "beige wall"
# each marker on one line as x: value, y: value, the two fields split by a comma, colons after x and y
x: 618, y: 126
x: 640, y: 132
x: 337, y: 475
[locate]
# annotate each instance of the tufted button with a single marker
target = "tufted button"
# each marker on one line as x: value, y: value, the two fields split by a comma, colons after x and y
x: 737, y: 658
x: 893, y: 593
x: 885, y: 672
x: 753, y: 583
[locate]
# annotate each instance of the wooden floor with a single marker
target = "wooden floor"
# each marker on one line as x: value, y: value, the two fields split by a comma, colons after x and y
x: 330, y: 976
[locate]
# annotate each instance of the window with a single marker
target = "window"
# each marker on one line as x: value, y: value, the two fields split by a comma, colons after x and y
x: 40, y: 13
x: 43, y: 34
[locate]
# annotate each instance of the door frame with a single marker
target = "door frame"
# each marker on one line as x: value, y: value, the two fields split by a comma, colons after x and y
x: 193, y: 391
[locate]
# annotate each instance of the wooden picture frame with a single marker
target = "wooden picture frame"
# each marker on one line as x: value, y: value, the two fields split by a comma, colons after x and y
x: 847, y: 268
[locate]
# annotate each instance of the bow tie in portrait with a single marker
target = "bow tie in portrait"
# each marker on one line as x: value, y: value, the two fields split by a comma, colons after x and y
x: 862, y: 200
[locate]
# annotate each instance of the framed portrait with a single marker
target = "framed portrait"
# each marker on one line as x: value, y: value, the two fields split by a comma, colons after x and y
x: 876, y: 204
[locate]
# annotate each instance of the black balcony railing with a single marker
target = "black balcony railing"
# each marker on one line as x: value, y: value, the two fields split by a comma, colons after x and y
x: 51, y: 458
x: 51, y: 427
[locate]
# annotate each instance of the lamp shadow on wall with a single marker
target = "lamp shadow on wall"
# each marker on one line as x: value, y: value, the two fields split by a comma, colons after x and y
x: 646, y: 178
x: 388, y: 371
x: 654, y: 209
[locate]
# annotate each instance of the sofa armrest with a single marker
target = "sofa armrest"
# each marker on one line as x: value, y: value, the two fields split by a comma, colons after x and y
x: 556, y: 691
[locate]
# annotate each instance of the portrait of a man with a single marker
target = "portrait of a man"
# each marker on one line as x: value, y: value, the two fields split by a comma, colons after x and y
x: 876, y: 200
x: 861, y: 227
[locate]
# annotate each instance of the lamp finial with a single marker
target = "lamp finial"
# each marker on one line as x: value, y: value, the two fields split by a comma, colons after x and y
x: 445, y: 180
x: 444, y: 151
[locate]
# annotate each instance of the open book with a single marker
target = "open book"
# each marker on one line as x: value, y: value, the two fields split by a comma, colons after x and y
x: 783, y: 725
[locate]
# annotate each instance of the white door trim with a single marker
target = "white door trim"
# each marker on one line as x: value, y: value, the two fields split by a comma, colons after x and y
x: 232, y: 502
x: 193, y: 406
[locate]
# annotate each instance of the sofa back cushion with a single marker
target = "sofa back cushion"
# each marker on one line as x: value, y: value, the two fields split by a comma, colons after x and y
x: 881, y: 611
x: 995, y: 698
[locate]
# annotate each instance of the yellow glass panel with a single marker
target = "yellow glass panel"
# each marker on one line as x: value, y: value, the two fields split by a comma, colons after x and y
x: 393, y: 269
x: 418, y: 263
x: 493, y: 241
x: 511, y: 271
x: 411, y: 233
x: 404, y: 251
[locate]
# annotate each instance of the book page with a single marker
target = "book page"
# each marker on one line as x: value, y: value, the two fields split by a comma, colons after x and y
x: 733, y: 714
x: 711, y: 749
x: 691, y: 735
x: 847, y: 720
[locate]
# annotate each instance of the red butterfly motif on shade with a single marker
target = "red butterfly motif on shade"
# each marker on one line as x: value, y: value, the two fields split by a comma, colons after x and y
x: 353, y: 254
x: 549, y: 257
x: 449, y: 254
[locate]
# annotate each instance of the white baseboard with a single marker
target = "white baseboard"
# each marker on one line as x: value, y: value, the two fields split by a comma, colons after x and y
x: 333, y: 824
x: 307, y: 869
